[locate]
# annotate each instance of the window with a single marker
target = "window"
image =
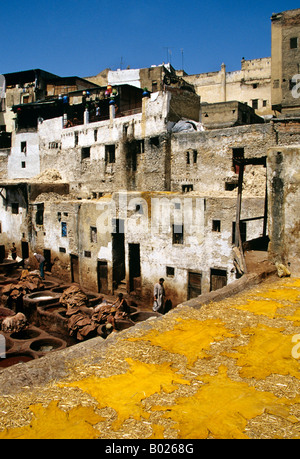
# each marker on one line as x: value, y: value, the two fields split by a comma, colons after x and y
x: 23, y: 164
x: 191, y: 156
x: 95, y: 135
x: 195, y: 154
x: 24, y: 147
x: 293, y: 42
x: 62, y: 250
x: 63, y: 229
x: 255, y: 85
x: 237, y: 155
x: 154, y: 86
x: 187, y: 188
x: 264, y: 103
x: 255, y: 104
x: 52, y: 145
x: 110, y: 153
x: 14, y: 208
x: 139, y: 209
x: 87, y: 254
x: 125, y: 129
x: 76, y: 138
x: 154, y: 141
x: 170, y: 271
x: 85, y: 152
x: 39, y: 218
x: 216, y: 226
x: 93, y: 233
x: 177, y: 234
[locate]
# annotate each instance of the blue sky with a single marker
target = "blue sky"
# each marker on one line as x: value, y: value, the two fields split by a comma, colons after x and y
x: 84, y: 37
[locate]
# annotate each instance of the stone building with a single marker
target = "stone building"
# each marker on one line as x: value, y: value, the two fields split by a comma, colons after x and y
x: 118, y: 186
x: 286, y: 62
x: 251, y: 85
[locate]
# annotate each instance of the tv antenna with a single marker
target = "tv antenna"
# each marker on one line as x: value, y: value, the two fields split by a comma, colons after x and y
x: 169, y: 54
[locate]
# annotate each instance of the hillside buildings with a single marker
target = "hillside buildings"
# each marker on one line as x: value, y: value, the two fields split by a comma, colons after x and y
x: 132, y: 175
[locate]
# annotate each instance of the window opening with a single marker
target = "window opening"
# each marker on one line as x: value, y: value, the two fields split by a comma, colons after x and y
x: 170, y: 271
x: 293, y: 42
x: 187, y: 188
x: 255, y: 104
x: 110, y: 153
x: 85, y: 152
x: 216, y: 226
x: 154, y: 141
x: 177, y: 234
x: 237, y: 154
x: 14, y: 208
x: 93, y: 232
x: 39, y: 218
x: 24, y: 147
x: 64, y: 229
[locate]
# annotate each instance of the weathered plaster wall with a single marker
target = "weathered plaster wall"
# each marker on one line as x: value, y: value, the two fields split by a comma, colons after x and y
x: 213, y: 167
x: 24, y: 164
x: 284, y: 205
x: 14, y: 222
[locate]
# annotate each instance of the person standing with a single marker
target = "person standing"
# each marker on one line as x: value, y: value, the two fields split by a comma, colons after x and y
x: 159, y: 296
x: 13, y: 251
x: 41, y: 260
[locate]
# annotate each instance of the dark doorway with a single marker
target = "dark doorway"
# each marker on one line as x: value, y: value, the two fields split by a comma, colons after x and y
x: 218, y: 279
x: 25, y: 250
x: 102, y: 276
x: 47, y: 256
x: 118, y: 252
x: 134, y: 264
x: 194, y: 285
x: 74, y: 268
x: 2, y: 253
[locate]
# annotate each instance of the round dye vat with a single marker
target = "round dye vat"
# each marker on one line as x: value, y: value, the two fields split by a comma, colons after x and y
x: 47, y: 345
x: 28, y: 333
x: 143, y: 315
x: 13, y: 359
x: 43, y: 297
x: 54, y: 308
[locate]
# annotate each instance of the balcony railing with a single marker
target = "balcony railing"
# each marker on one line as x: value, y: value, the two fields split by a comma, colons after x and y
x: 95, y: 118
